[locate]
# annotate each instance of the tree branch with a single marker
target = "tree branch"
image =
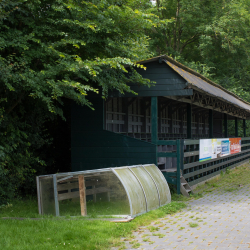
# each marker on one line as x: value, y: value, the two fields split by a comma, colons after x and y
x: 192, y: 39
x: 16, y: 103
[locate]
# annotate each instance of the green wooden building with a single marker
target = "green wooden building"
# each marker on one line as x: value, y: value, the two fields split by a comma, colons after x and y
x: 161, y: 125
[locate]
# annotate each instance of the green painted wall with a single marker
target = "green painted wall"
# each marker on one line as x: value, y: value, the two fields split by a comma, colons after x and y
x: 93, y: 148
x: 168, y: 82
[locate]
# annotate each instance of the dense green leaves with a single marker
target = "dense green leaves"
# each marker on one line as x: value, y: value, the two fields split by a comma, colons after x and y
x: 52, y: 50
x: 59, y: 50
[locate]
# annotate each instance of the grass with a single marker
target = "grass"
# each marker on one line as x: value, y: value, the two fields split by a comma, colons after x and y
x: 66, y: 232
x: 72, y: 208
x: 228, y: 181
x: 192, y: 224
x: 80, y: 233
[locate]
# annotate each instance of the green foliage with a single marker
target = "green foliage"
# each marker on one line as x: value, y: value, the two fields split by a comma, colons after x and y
x: 192, y: 224
x: 52, y: 51
x: 209, y: 36
x: 59, y: 50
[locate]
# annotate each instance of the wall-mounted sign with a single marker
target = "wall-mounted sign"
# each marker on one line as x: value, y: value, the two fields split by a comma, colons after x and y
x: 215, y: 148
x: 235, y: 145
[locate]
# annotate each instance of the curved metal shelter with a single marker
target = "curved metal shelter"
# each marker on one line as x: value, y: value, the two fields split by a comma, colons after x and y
x: 122, y: 191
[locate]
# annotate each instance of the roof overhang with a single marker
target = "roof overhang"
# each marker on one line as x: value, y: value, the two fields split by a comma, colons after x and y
x: 211, y: 95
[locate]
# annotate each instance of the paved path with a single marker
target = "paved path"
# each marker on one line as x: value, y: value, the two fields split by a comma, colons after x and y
x: 221, y: 220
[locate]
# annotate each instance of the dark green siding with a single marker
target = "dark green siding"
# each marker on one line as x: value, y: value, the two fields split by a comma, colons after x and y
x: 168, y: 82
x: 104, y: 149
x: 85, y: 119
x: 93, y: 148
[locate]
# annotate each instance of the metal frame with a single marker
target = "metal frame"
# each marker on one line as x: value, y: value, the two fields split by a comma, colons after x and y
x: 55, y: 195
x: 38, y: 195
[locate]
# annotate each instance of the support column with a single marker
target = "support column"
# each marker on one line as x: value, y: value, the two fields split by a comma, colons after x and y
x: 154, y: 127
x: 189, y: 121
x: 225, y: 126
x: 236, y: 127
x: 170, y: 116
x: 211, y: 124
x: 244, y: 127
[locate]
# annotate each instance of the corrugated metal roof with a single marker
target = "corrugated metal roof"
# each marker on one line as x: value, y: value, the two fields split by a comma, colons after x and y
x: 199, y: 82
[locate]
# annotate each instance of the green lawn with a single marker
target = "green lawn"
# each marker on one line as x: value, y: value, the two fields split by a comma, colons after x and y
x: 67, y: 233
x: 81, y: 233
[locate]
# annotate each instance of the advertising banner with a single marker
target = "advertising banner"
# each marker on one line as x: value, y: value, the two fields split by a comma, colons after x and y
x: 235, y: 145
x: 225, y: 147
x: 215, y: 148
x: 205, y: 152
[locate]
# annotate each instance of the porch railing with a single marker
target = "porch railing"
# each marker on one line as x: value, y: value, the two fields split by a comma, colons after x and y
x: 195, y: 172
x: 186, y: 153
x: 173, y: 177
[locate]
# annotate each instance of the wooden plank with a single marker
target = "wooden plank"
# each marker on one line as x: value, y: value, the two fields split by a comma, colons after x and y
x: 197, y: 163
x: 97, y: 190
x: 152, y: 92
x: 74, y: 185
x: 191, y: 142
x: 162, y: 142
x: 65, y: 179
x: 164, y: 76
x: 67, y: 186
x: 192, y: 183
x: 70, y: 195
x: 76, y: 194
x: 186, y: 154
x: 82, y: 195
x: 166, y: 154
x: 200, y: 171
x: 245, y: 138
x: 162, y: 86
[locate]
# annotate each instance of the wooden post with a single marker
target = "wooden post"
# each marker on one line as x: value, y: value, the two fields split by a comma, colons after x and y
x: 211, y: 124
x: 125, y: 110
x: 189, y: 121
x: 154, y: 127
x: 82, y: 195
x: 170, y: 116
x: 180, y: 156
x: 160, y: 119
x: 225, y: 126
x: 236, y: 127
x: 244, y: 127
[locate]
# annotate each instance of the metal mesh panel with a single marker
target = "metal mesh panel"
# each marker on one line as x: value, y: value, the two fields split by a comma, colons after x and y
x: 165, y: 196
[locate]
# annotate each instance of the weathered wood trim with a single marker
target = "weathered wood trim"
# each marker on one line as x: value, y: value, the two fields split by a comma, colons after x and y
x: 82, y: 195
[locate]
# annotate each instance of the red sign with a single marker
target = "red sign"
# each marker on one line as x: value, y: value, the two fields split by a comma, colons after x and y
x: 235, y: 145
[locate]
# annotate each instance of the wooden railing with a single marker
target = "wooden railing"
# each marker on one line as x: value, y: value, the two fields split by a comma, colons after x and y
x: 195, y: 172
x: 173, y: 177
x: 186, y: 153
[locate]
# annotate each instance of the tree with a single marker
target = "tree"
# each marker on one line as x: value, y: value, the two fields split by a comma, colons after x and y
x: 52, y: 50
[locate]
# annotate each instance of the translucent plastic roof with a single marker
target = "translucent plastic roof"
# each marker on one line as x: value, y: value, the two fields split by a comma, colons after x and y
x: 122, y: 191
